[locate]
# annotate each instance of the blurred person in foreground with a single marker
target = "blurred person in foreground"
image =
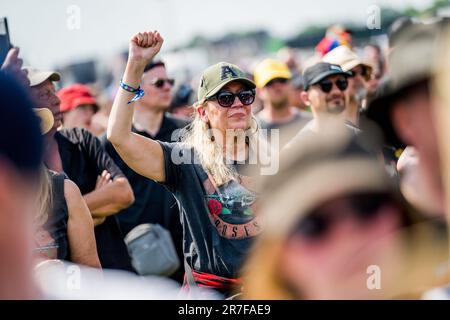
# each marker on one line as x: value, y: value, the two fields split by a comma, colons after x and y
x: 403, y: 106
x: 94, y: 284
x: 273, y: 80
x: 349, y: 61
x: 205, y: 171
x: 412, y: 184
x: 20, y: 160
x: 63, y: 222
x: 78, y: 106
x: 342, y: 234
x: 79, y: 155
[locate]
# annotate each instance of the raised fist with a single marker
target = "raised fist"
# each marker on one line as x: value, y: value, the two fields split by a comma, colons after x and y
x: 144, y: 46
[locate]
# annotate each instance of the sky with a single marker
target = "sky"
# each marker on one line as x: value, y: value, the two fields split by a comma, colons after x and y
x: 54, y: 32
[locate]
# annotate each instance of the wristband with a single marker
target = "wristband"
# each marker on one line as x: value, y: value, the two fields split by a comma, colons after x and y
x: 139, y: 92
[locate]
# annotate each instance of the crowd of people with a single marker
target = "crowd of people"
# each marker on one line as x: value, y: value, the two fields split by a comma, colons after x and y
x: 284, y: 181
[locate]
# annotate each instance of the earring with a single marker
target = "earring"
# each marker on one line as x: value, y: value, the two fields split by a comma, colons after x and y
x: 210, y: 134
x: 255, y: 128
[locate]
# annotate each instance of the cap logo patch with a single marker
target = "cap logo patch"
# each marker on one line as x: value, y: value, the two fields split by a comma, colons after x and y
x: 227, y: 72
x: 335, y: 68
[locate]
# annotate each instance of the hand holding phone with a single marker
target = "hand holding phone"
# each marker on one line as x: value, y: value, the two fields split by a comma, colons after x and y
x: 9, y: 56
x: 13, y: 66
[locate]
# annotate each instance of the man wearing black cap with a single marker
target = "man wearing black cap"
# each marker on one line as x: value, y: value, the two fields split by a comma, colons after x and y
x: 325, y: 86
x: 20, y: 159
x: 403, y: 105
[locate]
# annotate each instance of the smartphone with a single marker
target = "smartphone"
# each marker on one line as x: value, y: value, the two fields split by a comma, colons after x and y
x: 5, y: 43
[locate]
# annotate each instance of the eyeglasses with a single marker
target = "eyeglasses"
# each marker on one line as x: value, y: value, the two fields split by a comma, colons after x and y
x: 327, y: 85
x: 363, y: 207
x: 226, y: 98
x: 159, y: 83
x: 275, y: 81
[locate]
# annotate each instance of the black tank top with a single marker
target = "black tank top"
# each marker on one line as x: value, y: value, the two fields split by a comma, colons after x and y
x: 58, y: 217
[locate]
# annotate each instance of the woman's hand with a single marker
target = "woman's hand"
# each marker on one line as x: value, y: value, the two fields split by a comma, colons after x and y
x: 144, y: 46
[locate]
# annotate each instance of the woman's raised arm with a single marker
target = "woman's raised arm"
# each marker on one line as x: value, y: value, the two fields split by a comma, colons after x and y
x: 143, y: 155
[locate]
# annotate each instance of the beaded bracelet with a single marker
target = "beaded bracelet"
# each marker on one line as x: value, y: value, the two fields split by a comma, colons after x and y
x: 139, y: 92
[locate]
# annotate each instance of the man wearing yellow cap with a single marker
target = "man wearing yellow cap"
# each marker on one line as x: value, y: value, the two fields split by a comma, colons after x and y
x: 272, y: 79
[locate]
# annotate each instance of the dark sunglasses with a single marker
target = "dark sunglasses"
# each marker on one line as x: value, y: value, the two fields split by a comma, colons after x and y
x: 364, y: 207
x: 276, y: 80
x: 363, y: 73
x: 159, y: 83
x: 226, y: 98
x: 327, y: 85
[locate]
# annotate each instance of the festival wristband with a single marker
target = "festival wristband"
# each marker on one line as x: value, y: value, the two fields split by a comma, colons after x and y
x: 139, y: 92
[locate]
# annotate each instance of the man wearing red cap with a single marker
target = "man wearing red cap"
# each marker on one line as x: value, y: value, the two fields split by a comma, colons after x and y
x: 78, y: 106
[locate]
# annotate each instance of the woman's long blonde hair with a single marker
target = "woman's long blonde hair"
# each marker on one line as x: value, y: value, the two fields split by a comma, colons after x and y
x: 211, y: 154
x: 44, y: 197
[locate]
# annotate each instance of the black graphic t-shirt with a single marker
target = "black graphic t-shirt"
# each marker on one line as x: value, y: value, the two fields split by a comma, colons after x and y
x: 218, y: 222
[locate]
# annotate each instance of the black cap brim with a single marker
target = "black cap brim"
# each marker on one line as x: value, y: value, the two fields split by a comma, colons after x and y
x: 328, y: 73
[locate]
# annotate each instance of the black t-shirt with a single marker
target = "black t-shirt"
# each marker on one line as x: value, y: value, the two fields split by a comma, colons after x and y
x: 218, y: 222
x: 153, y: 203
x: 83, y: 160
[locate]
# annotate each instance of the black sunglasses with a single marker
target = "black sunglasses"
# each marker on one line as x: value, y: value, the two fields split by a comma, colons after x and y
x: 159, y: 83
x: 327, y: 85
x: 364, y: 207
x: 226, y: 98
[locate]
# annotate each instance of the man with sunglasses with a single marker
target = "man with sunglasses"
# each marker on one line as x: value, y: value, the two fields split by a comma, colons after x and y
x: 273, y: 80
x: 325, y: 92
x: 153, y: 204
x: 349, y: 61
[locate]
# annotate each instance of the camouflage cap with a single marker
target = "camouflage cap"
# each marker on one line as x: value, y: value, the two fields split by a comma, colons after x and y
x: 217, y: 76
